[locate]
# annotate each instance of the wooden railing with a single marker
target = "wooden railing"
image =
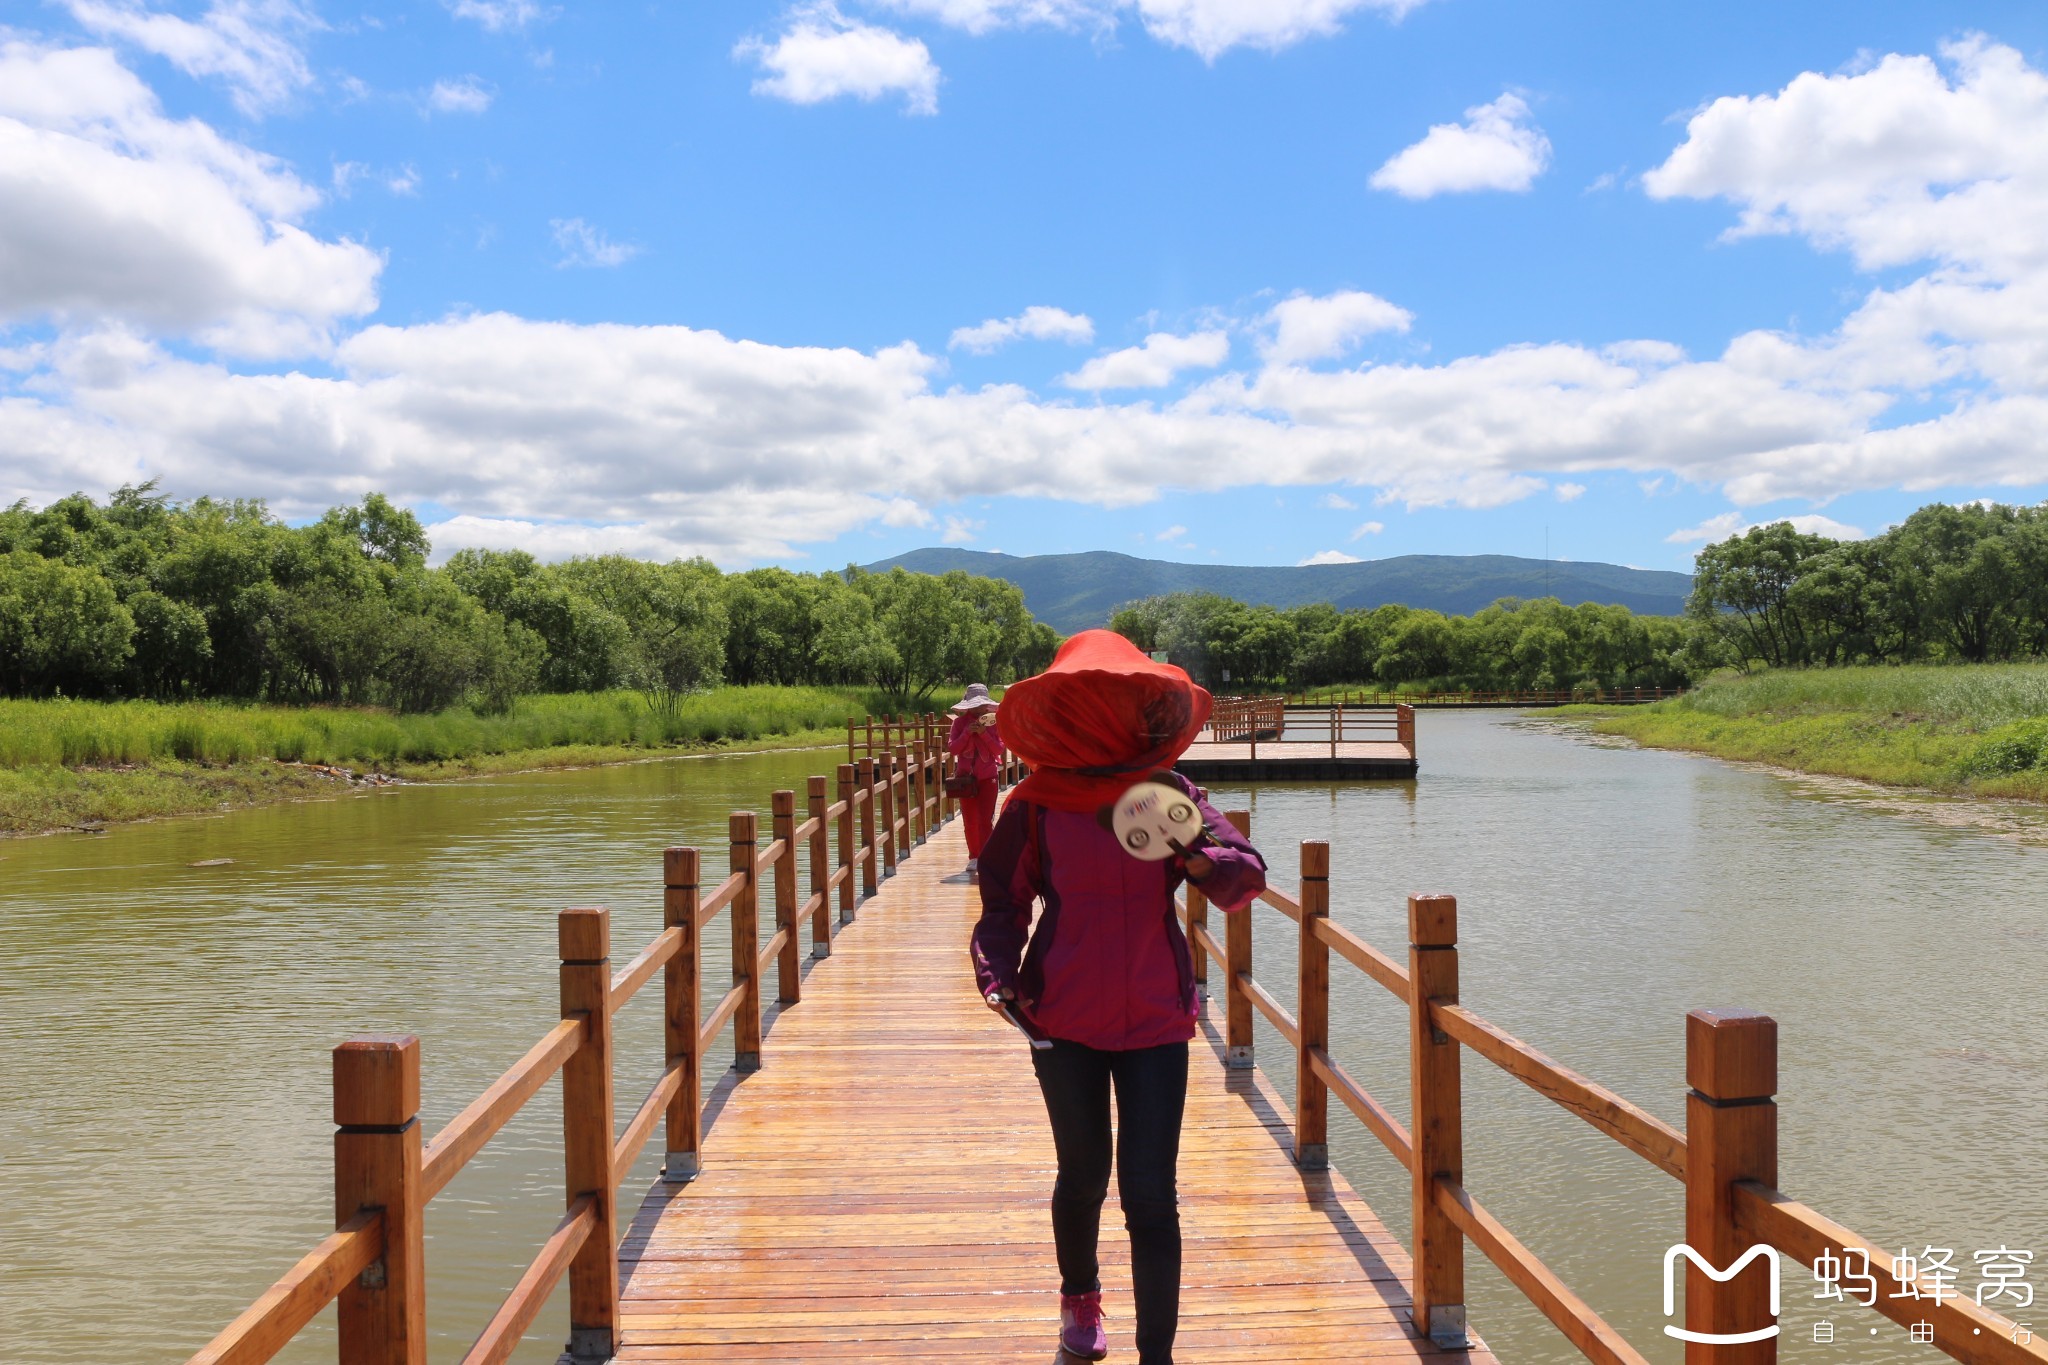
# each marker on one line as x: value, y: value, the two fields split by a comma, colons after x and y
x: 1233, y: 720
x: 868, y: 736
x: 374, y: 1263
x: 1266, y: 722
x: 1726, y: 1157
x: 1568, y: 696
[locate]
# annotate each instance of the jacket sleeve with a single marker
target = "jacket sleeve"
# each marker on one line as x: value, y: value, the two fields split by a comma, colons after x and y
x: 1009, y: 886
x: 1238, y: 873
x: 961, y: 737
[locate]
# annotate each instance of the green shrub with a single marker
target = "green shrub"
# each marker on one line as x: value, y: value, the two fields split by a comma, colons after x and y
x: 2016, y: 748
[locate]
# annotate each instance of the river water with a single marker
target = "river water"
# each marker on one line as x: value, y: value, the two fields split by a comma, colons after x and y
x: 165, y: 1027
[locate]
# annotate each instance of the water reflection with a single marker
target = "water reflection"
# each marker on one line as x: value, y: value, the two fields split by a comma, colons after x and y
x: 164, y: 1028
x: 1602, y: 893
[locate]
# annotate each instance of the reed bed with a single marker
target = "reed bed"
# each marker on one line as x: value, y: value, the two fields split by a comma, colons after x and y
x: 85, y: 734
x: 1975, y: 729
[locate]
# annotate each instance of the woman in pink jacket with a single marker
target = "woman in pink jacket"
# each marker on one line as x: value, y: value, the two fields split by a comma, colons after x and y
x: 979, y: 749
x: 1106, y: 973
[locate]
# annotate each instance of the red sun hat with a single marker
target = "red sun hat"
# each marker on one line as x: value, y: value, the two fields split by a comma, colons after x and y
x: 1100, y: 718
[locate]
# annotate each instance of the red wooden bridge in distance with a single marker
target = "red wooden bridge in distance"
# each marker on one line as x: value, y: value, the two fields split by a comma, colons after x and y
x: 873, y: 1186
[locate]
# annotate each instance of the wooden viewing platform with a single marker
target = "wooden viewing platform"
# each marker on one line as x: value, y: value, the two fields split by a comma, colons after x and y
x: 1262, y: 739
x: 878, y: 1191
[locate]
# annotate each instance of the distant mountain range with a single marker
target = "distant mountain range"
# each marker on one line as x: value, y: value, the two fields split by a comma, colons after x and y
x: 1074, y: 592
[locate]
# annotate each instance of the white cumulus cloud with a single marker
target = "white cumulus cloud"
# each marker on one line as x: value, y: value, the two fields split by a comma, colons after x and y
x: 1308, y: 328
x: 143, y: 231
x: 1152, y: 363
x: 1910, y: 160
x: 110, y: 211
x: 1497, y: 147
x: 823, y: 55
x: 1038, y: 322
x: 250, y: 45
x: 983, y: 16
x: 499, y: 16
x: 1328, y: 557
x: 1734, y: 524
x: 1208, y: 28
x: 1899, y: 163
x: 1336, y: 502
x: 461, y: 95
x: 1367, y: 528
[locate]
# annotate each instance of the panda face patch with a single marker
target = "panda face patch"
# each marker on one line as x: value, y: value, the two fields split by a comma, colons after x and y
x: 1150, y: 818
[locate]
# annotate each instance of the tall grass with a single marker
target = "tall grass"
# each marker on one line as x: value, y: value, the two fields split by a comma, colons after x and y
x: 1964, y: 696
x: 1976, y: 728
x: 74, y: 734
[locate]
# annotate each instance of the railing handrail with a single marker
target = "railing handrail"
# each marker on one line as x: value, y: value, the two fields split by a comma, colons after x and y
x: 1731, y: 1066
x: 1266, y: 721
x: 905, y: 785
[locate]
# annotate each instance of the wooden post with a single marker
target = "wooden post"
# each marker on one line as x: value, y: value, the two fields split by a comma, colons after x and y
x: 782, y: 821
x: 868, y: 750
x: 866, y: 782
x: 1336, y: 728
x: 821, y: 863
x: 1312, y: 1002
x: 846, y: 842
x: 902, y: 807
x: 1404, y: 727
x: 383, y: 1311
x: 920, y: 790
x: 1438, y: 1293
x: 682, y: 993
x: 587, y: 1117
x: 1237, y: 950
x: 849, y: 739
x: 1731, y: 1134
x: 743, y: 829
x: 886, y: 794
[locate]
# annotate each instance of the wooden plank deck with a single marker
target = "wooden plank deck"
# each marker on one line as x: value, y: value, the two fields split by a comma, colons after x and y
x: 877, y: 1192
x: 1297, y: 760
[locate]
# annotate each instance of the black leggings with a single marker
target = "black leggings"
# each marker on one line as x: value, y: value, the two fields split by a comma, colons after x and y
x: 1151, y: 1093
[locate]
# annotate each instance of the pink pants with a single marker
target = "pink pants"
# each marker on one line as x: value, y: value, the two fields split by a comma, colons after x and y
x: 979, y: 811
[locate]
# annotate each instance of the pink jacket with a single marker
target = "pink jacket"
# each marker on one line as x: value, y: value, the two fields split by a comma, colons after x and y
x: 1107, y: 964
x: 978, y: 747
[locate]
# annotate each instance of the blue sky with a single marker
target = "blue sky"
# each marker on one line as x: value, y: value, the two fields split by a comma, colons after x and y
x: 815, y: 283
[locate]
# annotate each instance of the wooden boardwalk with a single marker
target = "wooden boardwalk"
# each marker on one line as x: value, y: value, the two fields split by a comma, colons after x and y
x: 878, y: 1192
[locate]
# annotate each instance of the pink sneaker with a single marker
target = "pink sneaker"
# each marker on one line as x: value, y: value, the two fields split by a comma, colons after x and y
x: 1081, y: 1334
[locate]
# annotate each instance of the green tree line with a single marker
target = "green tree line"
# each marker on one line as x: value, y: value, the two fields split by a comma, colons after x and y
x: 1948, y: 584
x: 145, y: 597
x: 1513, y: 645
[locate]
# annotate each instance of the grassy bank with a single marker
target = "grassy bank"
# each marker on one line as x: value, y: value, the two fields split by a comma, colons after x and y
x: 1974, y: 730
x: 71, y: 763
